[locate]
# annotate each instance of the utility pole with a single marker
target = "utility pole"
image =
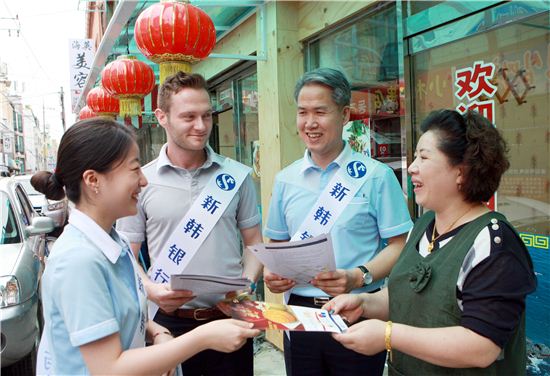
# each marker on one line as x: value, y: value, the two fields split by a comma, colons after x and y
x: 11, y: 21
x: 44, y: 135
x: 62, y: 109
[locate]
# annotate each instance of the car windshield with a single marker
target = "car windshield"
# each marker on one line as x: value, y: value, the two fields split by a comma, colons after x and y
x: 29, y: 188
x: 10, y: 231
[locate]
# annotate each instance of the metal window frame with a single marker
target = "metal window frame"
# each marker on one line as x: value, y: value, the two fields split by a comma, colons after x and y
x: 444, y: 13
x: 490, y: 18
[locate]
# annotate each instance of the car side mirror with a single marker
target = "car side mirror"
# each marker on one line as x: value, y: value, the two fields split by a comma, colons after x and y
x: 39, y: 226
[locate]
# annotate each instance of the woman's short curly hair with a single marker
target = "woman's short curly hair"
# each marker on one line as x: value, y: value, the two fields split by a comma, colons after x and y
x: 472, y: 141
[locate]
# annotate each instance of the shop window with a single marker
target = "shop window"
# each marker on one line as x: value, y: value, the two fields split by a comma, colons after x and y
x: 365, y: 50
x: 249, y: 136
x: 224, y: 136
x: 235, y: 132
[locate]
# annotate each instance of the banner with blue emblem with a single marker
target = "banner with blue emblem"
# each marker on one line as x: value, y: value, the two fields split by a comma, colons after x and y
x: 197, y: 223
x: 334, y: 199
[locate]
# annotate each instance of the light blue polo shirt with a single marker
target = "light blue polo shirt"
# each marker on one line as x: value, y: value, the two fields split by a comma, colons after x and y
x: 378, y: 211
x: 88, y: 292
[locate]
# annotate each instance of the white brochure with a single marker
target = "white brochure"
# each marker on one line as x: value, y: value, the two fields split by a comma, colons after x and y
x: 207, y: 284
x: 300, y: 261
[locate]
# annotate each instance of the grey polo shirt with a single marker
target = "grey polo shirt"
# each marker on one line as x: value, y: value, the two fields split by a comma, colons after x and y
x: 165, y: 200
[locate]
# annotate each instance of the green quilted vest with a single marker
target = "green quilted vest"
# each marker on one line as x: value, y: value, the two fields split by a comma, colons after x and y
x: 422, y: 293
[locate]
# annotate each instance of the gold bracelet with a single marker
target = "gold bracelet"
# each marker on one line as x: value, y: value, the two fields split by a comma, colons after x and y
x: 158, y: 333
x: 387, y: 339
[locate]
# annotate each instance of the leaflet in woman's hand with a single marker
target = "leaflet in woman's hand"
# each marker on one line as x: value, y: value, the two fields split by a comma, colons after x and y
x: 266, y: 315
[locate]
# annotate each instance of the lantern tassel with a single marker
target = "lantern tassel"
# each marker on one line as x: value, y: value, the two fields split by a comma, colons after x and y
x: 168, y: 68
x: 130, y: 106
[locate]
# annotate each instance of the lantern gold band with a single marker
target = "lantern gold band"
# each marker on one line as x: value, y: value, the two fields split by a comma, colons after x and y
x: 174, y: 58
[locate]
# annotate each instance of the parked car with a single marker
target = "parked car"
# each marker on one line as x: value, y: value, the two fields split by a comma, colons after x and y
x: 56, y: 210
x: 22, y: 247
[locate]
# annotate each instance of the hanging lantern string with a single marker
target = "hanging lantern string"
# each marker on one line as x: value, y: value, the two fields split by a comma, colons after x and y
x: 127, y: 39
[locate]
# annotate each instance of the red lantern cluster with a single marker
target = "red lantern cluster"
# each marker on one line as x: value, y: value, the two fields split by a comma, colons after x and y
x: 86, y: 113
x: 174, y: 34
x: 102, y: 103
x: 129, y: 80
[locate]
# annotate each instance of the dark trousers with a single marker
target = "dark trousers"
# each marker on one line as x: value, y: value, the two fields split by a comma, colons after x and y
x: 317, y: 354
x: 210, y: 362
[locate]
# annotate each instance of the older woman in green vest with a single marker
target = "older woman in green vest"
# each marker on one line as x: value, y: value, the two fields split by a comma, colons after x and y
x: 455, y: 300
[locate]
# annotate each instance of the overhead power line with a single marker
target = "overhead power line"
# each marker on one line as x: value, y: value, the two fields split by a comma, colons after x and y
x: 22, y: 35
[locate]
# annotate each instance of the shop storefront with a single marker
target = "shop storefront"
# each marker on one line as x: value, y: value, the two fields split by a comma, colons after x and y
x: 403, y: 59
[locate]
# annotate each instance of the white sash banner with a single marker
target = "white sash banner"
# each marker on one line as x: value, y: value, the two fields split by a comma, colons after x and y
x: 197, y: 223
x: 334, y: 199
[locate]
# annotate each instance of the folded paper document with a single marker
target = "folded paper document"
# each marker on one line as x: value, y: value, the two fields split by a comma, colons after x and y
x: 207, y: 284
x: 300, y: 261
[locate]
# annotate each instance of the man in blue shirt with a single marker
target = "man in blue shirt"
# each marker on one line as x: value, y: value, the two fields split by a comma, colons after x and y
x: 377, y: 211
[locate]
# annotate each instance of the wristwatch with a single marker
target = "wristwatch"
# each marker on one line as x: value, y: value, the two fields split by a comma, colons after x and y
x: 367, y: 277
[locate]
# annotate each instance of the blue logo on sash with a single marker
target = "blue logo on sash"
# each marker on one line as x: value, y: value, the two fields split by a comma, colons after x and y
x: 356, y: 169
x: 225, y: 182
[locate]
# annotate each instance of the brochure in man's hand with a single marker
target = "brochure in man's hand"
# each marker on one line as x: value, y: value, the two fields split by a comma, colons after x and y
x: 300, y: 260
x: 266, y: 315
x: 207, y: 284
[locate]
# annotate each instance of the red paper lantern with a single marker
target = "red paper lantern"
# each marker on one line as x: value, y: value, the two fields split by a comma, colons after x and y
x: 102, y: 103
x: 86, y: 113
x: 129, y: 80
x: 174, y: 34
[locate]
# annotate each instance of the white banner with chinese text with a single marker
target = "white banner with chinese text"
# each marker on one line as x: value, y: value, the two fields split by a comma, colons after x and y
x: 197, y: 223
x: 81, y: 55
x: 334, y: 199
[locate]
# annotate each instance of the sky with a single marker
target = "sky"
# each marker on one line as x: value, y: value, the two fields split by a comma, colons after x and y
x: 39, y: 56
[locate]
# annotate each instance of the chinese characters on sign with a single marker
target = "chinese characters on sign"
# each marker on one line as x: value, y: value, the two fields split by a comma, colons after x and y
x: 8, y: 145
x: 81, y: 55
x: 476, y: 92
x: 474, y: 87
